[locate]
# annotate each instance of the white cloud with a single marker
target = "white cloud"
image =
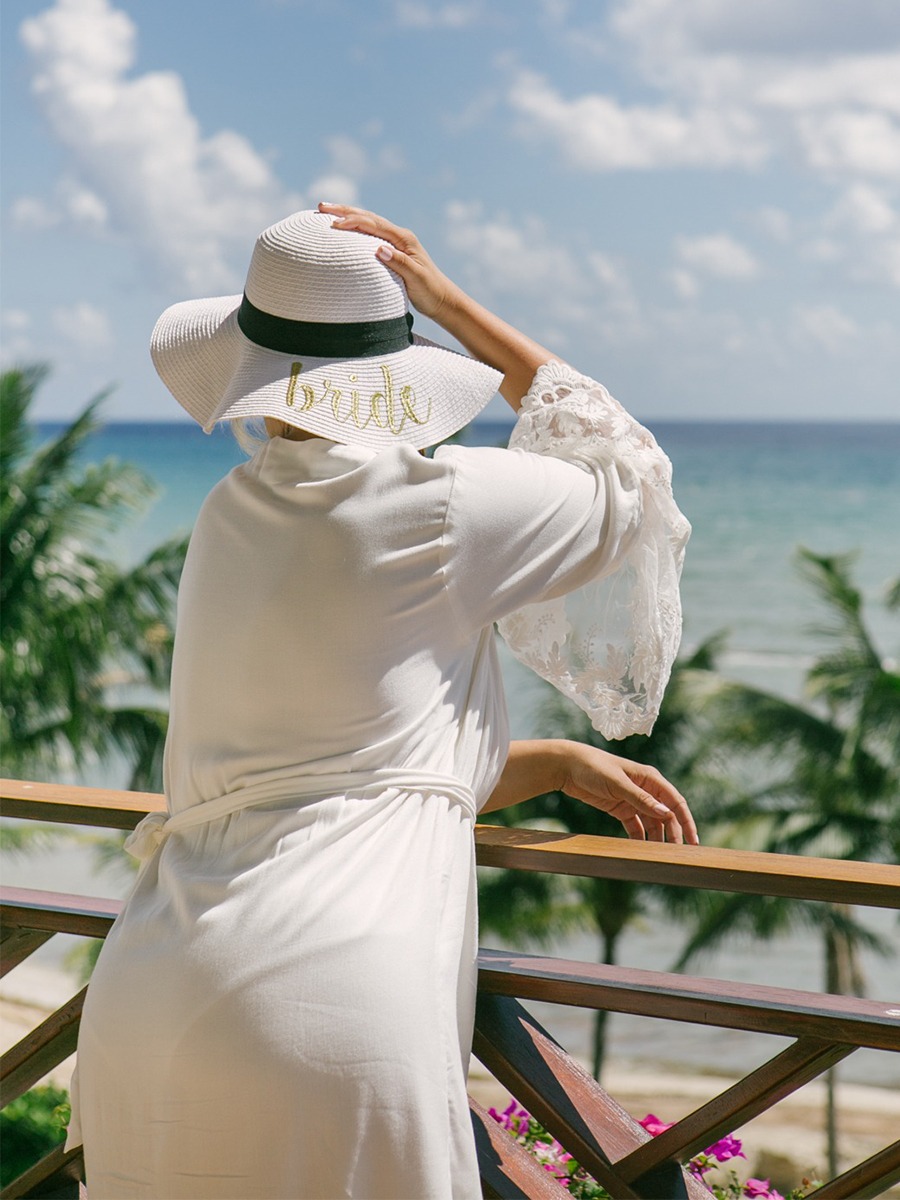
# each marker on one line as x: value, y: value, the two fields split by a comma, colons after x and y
x: 509, y: 261
x: 738, y: 85
x: 417, y: 14
x: 334, y: 188
x: 71, y: 202
x: 851, y: 143
x: 825, y: 326
x: 31, y: 212
x: 506, y: 258
x: 596, y: 132
x: 864, y: 209
x: 82, y: 206
x: 866, y: 80
x: 85, y: 326
x: 861, y: 236
x: 349, y: 162
x: 555, y: 10
x: 15, y: 319
x: 763, y: 30
x: 684, y: 283
x: 774, y: 222
x: 16, y: 346
x: 718, y: 255
x: 189, y: 203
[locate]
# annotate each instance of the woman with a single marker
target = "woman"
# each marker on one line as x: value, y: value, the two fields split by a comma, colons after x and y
x: 284, y: 1008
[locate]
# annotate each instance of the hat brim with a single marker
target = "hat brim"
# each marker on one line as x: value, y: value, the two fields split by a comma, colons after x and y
x: 419, y: 395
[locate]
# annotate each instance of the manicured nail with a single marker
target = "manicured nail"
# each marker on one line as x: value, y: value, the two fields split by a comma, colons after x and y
x: 385, y: 253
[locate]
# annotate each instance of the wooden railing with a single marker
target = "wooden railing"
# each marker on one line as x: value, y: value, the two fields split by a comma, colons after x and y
x: 523, y: 1057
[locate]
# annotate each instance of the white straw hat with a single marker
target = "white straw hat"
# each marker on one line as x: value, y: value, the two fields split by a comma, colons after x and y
x: 321, y: 339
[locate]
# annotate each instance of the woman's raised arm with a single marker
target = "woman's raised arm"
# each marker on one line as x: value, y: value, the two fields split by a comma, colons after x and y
x: 435, y: 295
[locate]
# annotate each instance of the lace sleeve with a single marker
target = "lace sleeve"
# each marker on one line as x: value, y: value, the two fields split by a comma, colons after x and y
x: 610, y: 645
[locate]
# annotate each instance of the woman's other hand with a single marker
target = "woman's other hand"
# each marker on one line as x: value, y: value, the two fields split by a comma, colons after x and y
x: 637, y: 795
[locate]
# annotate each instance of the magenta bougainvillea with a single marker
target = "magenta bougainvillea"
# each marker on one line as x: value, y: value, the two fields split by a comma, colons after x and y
x: 559, y: 1163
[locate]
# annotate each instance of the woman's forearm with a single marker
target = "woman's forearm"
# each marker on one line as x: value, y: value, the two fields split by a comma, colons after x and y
x: 493, y: 341
x: 532, y: 768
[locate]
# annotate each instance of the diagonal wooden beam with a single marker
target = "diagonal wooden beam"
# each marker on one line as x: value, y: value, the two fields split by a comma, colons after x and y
x: 584, y: 1118
x: 867, y: 1180
x: 58, y: 1175
x: 758, y: 1091
x: 508, y: 1171
x: 41, y: 1050
x: 18, y: 944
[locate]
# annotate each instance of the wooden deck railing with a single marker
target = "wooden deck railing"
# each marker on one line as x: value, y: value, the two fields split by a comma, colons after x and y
x: 588, y: 1122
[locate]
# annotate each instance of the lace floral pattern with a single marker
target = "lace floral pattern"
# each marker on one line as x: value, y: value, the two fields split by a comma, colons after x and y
x: 610, y: 645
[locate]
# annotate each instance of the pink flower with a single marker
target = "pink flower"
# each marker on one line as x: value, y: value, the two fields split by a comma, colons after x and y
x: 654, y: 1125
x: 726, y: 1148
x: 760, y: 1189
x: 699, y: 1165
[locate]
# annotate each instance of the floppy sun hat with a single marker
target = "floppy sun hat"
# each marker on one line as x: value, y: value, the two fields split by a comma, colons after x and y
x: 321, y: 339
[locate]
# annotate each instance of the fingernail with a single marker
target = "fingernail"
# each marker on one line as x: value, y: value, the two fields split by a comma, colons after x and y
x: 385, y: 253
x: 327, y: 204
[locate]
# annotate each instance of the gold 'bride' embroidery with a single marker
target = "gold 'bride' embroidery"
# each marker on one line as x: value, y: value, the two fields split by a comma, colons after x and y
x: 389, y: 408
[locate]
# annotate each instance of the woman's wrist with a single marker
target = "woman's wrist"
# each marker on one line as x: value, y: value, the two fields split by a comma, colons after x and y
x: 532, y: 768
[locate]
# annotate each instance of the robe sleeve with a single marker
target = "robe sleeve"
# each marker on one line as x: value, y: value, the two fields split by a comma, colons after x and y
x: 582, y: 565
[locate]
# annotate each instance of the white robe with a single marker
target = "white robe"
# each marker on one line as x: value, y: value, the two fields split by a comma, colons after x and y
x: 284, y: 1008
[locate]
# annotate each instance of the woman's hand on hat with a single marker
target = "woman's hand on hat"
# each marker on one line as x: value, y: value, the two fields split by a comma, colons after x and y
x: 428, y: 288
x: 637, y: 795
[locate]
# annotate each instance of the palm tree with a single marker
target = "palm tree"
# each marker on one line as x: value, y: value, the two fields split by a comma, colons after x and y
x: 834, y: 781
x: 74, y: 622
x: 541, y: 908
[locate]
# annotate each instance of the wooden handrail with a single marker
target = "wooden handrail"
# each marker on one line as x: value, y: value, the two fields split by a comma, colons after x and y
x: 708, y: 867
x: 799, y: 877
x: 783, y: 1012
x: 61, y: 803
x: 57, y: 912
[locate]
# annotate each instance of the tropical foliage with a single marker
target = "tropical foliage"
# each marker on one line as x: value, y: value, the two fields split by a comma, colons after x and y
x: 74, y: 622
x: 833, y: 786
x: 30, y: 1127
x: 831, y: 767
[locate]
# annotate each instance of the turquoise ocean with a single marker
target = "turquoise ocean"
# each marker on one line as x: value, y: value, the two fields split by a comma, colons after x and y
x: 753, y: 492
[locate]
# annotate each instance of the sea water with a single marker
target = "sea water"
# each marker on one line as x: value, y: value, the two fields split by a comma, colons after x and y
x: 753, y: 493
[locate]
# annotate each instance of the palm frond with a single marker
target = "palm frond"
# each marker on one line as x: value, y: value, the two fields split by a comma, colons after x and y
x: 17, y: 388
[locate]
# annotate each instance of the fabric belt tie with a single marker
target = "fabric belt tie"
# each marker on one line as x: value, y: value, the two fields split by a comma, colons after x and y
x: 153, y: 830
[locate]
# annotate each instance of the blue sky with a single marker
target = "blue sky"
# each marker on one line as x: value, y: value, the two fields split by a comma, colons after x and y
x: 695, y: 201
